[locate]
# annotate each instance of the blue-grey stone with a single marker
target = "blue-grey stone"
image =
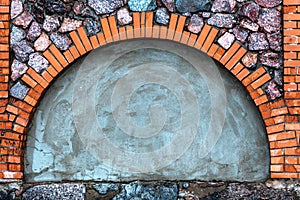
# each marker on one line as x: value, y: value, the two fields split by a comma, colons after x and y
x: 222, y: 20
x: 105, y: 6
x: 19, y: 91
x: 137, y: 190
x: 56, y: 191
x: 184, y: 6
x: 37, y: 62
x: 162, y: 16
x: 61, y: 41
x: 16, y: 35
x: 22, y: 50
x: 104, y: 188
x: 143, y: 5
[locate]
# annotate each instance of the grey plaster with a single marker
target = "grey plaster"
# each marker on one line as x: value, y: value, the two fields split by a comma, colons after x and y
x: 56, y: 151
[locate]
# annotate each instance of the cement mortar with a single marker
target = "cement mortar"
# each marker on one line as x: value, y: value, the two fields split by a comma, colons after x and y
x: 55, y: 151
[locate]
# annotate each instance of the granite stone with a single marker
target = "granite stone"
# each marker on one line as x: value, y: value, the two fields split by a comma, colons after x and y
x: 23, y: 20
x: 268, y: 3
x: 61, y: 41
x: 51, y: 23
x: 42, y: 43
x: 16, y: 8
x: 275, y: 41
x: 272, y: 91
x: 270, y: 20
x: 170, y: 4
x: 195, y: 24
x: 123, y: 16
x: 222, y: 20
x: 34, y: 31
x: 191, y: 6
x: 37, y: 62
x: 271, y: 59
x: 142, y: 5
x: 247, y: 24
x: 19, y: 91
x: 227, y: 6
x: 258, y: 41
x: 105, y: 6
x: 162, y: 16
x: 250, y: 10
x: 69, y: 25
x: 250, y: 60
x: 226, y: 40
x: 17, y: 69
x: 22, y: 50
x: 92, y: 26
x: 240, y: 33
x: 16, y: 35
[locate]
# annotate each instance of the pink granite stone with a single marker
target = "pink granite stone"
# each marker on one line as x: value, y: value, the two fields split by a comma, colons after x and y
x: 17, y: 69
x: 268, y: 3
x: 51, y: 23
x: 222, y: 20
x: 37, y: 62
x: 16, y: 8
x: 271, y: 59
x: 247, y: 24
x: 170, y: 4
x: 23, y: 20
x: 42, y: 43
x: 250, y: 60
x: 240, y: 33
x: 69, y: 25
x: 270, y: 20
x: 250, y: 10
x: 124, y: 16
x: 258, y: 41
x: 224, y: 6
x: 272, y: 91
x: 226, y: 40
x: 34, y: 31
x: 195, y: 24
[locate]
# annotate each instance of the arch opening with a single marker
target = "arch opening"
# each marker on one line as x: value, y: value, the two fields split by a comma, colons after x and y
x: 59, y: 147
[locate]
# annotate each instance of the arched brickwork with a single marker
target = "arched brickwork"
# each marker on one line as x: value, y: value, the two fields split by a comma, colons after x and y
x: 280, y: 116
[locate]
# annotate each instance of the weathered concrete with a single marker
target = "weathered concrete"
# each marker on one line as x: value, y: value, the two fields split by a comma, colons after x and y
x: 56, y: 149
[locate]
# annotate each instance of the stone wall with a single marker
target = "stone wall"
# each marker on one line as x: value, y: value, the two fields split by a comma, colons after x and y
x: 243, y: 35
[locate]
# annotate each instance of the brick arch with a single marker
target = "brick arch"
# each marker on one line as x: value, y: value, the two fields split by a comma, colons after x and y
x: 19, y: 113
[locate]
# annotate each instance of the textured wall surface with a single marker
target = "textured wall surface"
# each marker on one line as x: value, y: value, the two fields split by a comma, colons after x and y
x: 56, y: 149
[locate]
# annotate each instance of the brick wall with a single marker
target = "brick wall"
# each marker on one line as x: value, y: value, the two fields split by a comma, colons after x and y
x: 280, y: 116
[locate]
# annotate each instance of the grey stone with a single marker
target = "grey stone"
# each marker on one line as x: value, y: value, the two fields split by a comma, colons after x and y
x: 16, y: 8
x: 226, y: 40
x: 38, y: 62
x: 61, y: 41
x: 222, y: 20
x: 17, y: 69
x: 142, y: 5
x: 16, y: 35
x: 162, y: 16
x: 195, y: 24
x: 19, y: 91
x: 258, y: 41
x: 270, y: 20
x: 105, y: 6
x: 240, y: 33
x: 105, y: 188
x: 34, y: 31
x: 22, y: 50
x: 92, y: 26
x: 70, y: 191
x: 224, y: 6
x: 51, y: 23
x: 137, y: 190
x: 240, y: 154
x: 191, y: 6
x: 123, y: 16
x: 278, y: 77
